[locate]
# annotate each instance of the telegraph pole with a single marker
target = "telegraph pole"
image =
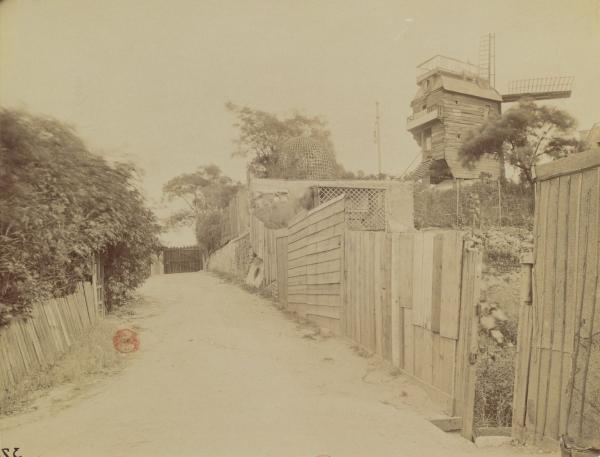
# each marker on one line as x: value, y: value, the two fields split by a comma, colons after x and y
x: 377, y: 138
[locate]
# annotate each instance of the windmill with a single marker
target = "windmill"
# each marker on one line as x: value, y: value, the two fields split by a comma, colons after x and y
x: 453, y: 97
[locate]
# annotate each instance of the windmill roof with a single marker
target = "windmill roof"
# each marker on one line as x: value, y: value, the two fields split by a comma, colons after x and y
x: 466, y: 87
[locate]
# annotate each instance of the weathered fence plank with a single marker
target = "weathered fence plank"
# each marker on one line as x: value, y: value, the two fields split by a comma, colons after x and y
x: 388, y: 312
x: 28, y: 345
x: 315, y: 253
x: 468, y: 338
x: 557, y: 378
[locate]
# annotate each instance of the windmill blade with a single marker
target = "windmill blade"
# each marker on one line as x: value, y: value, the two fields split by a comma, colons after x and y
x: 548, y: 88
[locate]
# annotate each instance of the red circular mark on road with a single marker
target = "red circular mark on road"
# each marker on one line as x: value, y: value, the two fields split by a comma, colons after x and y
x: 126, y: 340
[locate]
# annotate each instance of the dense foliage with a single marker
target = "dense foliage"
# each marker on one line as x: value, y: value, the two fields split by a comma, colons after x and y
x: 495, y: 384
x: 522, y: 135
x: 59, y: 205
x: 209, y: 230
x: 475, y: 205
x: 262, y: 135
x: 206, y: 192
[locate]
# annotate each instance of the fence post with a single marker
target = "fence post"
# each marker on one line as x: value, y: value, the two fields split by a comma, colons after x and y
x: 472, y: 260
x: 523, y: 349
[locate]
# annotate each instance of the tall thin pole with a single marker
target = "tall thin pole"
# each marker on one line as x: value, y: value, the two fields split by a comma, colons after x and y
x: 377, y: 138
x: 457, y: 201
x: 499, y: 204
x: 490, y: 60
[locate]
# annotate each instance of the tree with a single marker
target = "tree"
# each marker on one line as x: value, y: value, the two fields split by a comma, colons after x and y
x: 209, y: 229
x: 203, y: 191
x: 521, y: 136
x: 262, y: 134
x: 206, y: 192
x: 59, y: 205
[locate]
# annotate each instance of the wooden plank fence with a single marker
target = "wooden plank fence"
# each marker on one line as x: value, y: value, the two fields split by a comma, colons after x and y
x: 409, y: 297
x: 29, y: 345
x: 314, y: 264
x: 257, y: 237
x: 236, y: 220
x: 405, y: 295
x: 282, y: 268
x: 264, y: 245
x: 557, y: 380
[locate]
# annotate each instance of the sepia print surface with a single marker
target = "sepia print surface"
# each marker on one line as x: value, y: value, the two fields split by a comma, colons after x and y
x: 313, y: 229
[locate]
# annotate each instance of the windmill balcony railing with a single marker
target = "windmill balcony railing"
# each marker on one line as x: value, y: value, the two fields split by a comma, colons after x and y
x: 423, y: 117
x: 448, y: 64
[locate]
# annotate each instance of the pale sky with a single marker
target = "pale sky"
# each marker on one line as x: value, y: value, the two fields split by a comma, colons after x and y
x: 148, y: 79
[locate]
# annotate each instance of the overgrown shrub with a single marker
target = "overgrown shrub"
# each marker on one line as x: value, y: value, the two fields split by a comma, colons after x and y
x: 498, y: 323
x: 478, y: 205
x: 503, y: 247
x: 59, y: 205
x: 277, y: 209
x: 209, y: 230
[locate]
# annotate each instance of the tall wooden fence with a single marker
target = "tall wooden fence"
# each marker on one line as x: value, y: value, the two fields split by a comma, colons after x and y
x: 236, y: 220
x: 557, y: 387
x: 264, y: 245
x: 28, y: 345
x: 314, y: 264
x: 257, y: 236
x: 282, y: 268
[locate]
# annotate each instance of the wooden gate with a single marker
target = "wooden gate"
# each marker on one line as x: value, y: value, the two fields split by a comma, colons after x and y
x: 182, y: 260
x: 557, y: 383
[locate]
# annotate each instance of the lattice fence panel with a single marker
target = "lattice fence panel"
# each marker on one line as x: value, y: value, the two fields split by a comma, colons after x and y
x: 365, y: 207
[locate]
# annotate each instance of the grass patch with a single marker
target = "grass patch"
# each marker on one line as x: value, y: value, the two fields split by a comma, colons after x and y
x: 496, y: 360
x: 91, y: 355
x: 495, y: 384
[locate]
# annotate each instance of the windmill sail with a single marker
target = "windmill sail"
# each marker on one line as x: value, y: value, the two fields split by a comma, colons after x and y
x: 487, y: 58
x: 539, y: 88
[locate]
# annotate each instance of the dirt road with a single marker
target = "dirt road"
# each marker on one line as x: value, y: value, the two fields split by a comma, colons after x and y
x: 221, y: 372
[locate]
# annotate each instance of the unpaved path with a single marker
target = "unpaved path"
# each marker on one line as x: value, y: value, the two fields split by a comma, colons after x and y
x: 221, y: 372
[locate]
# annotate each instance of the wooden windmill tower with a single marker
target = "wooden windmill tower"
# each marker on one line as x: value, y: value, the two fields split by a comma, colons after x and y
x: 453, y: 97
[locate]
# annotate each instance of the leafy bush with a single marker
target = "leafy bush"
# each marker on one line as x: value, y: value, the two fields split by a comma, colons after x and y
x: 59, y: 205
x: 209, y: 228
x: 499, y: 307
x: 503, y: 247
x: 276, y: 211
x: 477, y: 205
